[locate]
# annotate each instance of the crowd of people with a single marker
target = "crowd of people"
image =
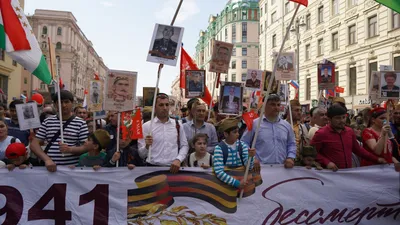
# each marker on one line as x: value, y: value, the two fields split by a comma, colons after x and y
x: 322, y: 138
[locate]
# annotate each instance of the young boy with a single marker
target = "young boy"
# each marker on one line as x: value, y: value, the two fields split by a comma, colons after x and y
x: 232, y: 153
x: 16, y: 156
x: 94, y: 144
x: 307, y: 158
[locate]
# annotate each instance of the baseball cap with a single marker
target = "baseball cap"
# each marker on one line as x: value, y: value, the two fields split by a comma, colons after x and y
x: 15, y: 150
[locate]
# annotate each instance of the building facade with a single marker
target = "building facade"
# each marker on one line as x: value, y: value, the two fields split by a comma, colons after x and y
x: 357, y: 35
x: 238, y: 23
x: 77, y: 59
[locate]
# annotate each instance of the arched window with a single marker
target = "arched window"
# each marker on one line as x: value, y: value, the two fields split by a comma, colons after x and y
x: 44, y: 44
x: 59, y: 31
x: 44, y: 30
x: 58, y: 45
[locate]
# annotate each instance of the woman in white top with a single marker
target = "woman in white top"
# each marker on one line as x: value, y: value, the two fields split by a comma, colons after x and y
x: 5, y: 140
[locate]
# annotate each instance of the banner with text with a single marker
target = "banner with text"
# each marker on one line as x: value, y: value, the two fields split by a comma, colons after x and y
x: 193, y: 196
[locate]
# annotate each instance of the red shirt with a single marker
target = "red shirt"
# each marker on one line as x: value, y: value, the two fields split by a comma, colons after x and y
x: 337, y: 147
x: 368, y: 134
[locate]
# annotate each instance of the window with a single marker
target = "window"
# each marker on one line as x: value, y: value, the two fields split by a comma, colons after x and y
x: 233, y: 33
x: 336, y: 78
x: 353, y: 81
x: 273, y: 17
x: 45, y: 58
x: 244, y: 32
x: 58, y: 61
x: 287, y: 7
x: 244, y: 75
x: 321, y: 14
x: 261, y: 12
x: 372, y: 26
x: 1, y: 54
x: 260, y: 50
x: 233, y: 77
x: 244, y: 51
x: 308, y: 22
x: 373, y: 66
x: 335, y: 41
x: 274, y: 40
x: 335, y: 7
x: 226, y: 34
x: 59, y: 31
x: 233, y: 64
x: 42, y: 86
x: 44, y: 30
x: 244, y: 64
x: 265, y: 7
x: 14, y: 63
x: 352, y: 34
x: 261, y: 29
x: 320, y: 47
x: 396, y: 63
x: 44, y: 45
x: 244, y: 15
x: 25, y: 80
x: 308, y: 53
x: 352, y: 3
x: 272, y: 2
x: 395, y: 20
x: 58, y: 45
x: 308, y: 89
x: 226, y: 78
x: 233, y: 51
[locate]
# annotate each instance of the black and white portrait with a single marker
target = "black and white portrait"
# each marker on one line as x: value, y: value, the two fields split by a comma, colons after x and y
x: 165, y: 45
x: 28, y: 115
x: 221, y: 56
x: 286, y: 67
x: 28, y: 112
x: 195, y: 82
x: 96, y: 95
x: 253, y: 79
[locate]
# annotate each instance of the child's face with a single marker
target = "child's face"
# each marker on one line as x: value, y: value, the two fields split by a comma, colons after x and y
x: 232, y: 136
x: 201, y: 145
x: 308, y: 160
x: 18, y: 161
x: 90, y: 145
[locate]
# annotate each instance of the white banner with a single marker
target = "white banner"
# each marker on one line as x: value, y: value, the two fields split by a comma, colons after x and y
x: 154, y: 196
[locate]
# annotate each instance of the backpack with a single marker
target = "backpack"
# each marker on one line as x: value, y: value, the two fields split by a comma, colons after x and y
x: 224, y: 149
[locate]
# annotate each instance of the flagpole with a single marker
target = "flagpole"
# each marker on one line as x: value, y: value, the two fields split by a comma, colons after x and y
x: 217, y: 78
x: 94, y: 123
x: 158, y: 81
x: 59, y: 103
x: 118, y: 134
x: 266, y: 96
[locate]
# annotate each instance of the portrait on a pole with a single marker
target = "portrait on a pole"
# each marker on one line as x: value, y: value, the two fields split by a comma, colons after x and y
x: 389, y: 85
x: 254, y: 79
x: 275, y: 84
x: 286, y: 67
x: 221, y: 57
x: 374, y: 85
x: 28, y: 115
x: 121, y: 91
x: 96, y: 93
x: 230, y: 101
x: 326, y: 76
x: 148, y: 95
x: 195, y: 83
x: 165, y: 44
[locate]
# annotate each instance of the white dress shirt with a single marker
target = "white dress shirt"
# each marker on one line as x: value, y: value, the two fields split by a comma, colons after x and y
x: 165, y: 147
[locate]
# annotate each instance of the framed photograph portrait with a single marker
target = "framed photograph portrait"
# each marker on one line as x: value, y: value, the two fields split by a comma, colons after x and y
x: 374, y: 85
x: 120, y: 91
x: 165, y: 45
x: 230, y: 98
x: 286, y: 67
x: 283, y: 92
x: 389, y: 85
x: 96, y: 95
x: 326, y: 76
x: 254, y: 79
x: 148, y: 95
x: 221, y: 57
x: 275, y: 84
x: 28, y: 116
x: 195, y: 83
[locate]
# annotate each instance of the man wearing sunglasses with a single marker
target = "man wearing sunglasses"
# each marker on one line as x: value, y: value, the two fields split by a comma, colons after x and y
x: 166, y: 138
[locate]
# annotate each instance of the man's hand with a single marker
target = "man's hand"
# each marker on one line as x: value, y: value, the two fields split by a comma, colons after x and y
x: 289, y: 163
x: 131, y: 166
x: 64, y: 148
x: 22, y: 166
x: 257, y: 166
x: 332, y: 166
x: 243, y: 183
x: 252, y: 152
x: 381, y: 161
x: 149, y: 141
x: 176, y: 164
x: 50, y: 165
x: 10, y: 167
x: 116, y: 157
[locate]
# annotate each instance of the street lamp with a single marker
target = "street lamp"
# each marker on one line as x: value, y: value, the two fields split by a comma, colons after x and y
x: 296, y: 28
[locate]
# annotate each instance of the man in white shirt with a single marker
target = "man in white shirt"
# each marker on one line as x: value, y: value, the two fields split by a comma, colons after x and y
x: 320, y: 119
x: 167, y: 141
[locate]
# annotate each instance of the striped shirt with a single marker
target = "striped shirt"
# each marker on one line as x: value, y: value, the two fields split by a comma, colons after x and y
x: 75, y: 134
x: 233, y: 160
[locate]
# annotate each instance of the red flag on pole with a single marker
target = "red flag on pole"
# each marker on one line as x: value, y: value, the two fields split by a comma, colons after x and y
x: 187, y: 63
x: 339, y: 89
x: 96, y: 76
x: 248, y: 118
x: 303, y: 2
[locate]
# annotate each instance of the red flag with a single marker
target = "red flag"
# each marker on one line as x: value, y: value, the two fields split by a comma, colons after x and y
x: 86, y: 92
x: 96, y: 76
x: 136, y: 128
x: 303, y: 2
x: 248, y: 118
x: 339, y: 89
x: 187, y: 63
x: 61, y: 84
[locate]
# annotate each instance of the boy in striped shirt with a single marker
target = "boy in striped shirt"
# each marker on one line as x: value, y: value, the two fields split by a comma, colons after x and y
x: 232, y: 153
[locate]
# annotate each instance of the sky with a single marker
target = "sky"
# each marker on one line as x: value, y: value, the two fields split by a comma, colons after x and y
x: 121, y: 30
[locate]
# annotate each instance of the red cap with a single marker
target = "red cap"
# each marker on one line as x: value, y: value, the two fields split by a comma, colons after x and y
x: 377, y: 112
x: 15, y: 150
x: 38, y: 98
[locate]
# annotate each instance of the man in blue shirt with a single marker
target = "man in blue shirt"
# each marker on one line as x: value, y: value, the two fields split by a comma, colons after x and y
x: 13, y: 125
x: 276, y: 143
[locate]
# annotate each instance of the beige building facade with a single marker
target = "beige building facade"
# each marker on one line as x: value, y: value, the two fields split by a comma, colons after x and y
x: 358, y: 36
x: 76, y: 56
x: 238, y: 23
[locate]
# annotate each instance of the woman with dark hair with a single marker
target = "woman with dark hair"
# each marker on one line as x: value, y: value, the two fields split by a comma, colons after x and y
x: 375, y: 137
x: 5, y: 139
